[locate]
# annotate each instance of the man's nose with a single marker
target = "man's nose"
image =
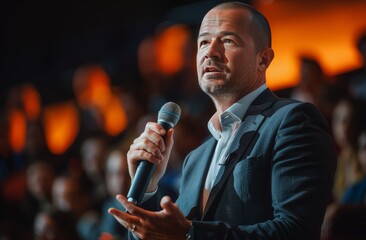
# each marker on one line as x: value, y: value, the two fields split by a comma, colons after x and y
x: 213, y: 50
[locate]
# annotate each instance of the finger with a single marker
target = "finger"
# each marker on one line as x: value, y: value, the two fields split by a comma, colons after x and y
x: 167, y: 204
x: 136, y: 155
x: 125, y: 219
x: 150, y: 142
x: 153, y: 132
x: 169, y: 140
x: 154, y: 138
x: 132, y: 208
x: 155, y: 127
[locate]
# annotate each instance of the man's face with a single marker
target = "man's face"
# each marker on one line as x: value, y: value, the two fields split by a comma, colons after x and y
x: 226, y: 57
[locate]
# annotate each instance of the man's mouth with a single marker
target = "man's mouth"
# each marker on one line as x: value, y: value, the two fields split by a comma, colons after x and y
x: 211, y: 69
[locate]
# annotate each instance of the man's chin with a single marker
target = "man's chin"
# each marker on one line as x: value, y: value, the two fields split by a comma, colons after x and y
x: 215, y: 90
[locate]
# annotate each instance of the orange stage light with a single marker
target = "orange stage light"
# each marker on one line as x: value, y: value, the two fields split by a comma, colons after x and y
x: 61, y: 126
x: 31, y: 101
x: 92, y: 86
x: 115, y: 119
x: 99, y: 88
x: 17, y: 130
x: 170, y: 47
x: 326, y: 30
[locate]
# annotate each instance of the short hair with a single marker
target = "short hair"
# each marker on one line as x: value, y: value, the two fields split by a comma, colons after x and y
x: 260, y: 27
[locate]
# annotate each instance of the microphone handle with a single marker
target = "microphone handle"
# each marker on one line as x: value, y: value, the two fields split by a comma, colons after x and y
x: 143, y: 175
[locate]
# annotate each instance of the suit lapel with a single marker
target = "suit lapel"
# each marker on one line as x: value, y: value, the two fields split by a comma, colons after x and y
x: 191, y: 203
x: 243, y: 143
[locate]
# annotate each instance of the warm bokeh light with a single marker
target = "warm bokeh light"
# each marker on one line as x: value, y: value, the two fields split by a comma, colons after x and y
x: 61, y: 126
x: 170, y: 46
x: 17, y: 130
x: 326, y: 30
x: 31, y: 101
x: 99, y: 88
x: 115, y: 119
x: 92, y: 86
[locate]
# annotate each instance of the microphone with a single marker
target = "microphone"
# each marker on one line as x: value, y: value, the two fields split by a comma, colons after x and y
x: 168, y: 117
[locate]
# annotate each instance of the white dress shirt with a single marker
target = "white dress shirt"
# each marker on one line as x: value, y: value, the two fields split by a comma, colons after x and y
x: 230, y: 121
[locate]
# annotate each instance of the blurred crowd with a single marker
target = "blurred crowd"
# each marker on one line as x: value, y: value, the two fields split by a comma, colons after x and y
x: 61, y: 165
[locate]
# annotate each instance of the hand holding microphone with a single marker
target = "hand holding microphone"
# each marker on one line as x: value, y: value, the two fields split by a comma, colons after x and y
x: 148, y: 155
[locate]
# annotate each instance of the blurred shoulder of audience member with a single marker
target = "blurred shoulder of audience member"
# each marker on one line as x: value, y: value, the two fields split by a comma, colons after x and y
x: 345, y: 222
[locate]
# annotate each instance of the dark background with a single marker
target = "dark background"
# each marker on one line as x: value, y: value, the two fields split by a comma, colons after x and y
x: 43, y: 42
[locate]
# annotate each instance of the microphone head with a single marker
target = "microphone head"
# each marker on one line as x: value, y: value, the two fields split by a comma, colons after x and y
x: 169, y: 113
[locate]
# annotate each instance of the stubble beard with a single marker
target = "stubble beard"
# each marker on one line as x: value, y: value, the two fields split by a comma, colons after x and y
x: 215, y: 89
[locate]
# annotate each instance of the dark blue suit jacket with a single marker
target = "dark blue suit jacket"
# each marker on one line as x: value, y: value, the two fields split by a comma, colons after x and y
x: 276, y: 182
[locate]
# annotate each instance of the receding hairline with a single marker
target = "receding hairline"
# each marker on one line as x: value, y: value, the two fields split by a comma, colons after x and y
x: 260, y: 27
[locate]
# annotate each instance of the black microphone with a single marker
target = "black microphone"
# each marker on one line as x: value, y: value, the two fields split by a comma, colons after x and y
x: 168, y: 117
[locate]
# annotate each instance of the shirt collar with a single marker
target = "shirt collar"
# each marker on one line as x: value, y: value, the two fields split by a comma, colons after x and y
x: 235, y: 112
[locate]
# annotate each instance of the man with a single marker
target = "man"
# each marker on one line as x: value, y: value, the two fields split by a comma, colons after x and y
x: 267, y: 171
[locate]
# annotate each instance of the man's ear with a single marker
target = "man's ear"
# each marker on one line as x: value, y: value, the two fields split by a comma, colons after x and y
x: 265, y: 58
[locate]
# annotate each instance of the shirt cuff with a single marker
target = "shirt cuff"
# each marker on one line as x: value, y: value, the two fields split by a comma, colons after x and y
x: 148, y: 195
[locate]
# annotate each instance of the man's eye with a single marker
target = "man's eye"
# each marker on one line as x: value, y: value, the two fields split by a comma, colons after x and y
x: 227, y: 41
x: 203, y: 43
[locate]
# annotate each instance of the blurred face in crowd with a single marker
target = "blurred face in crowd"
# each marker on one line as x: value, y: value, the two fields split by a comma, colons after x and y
x: 93, y: 153
x: 45, y: 228
x: 117, y: 176
x: 54, y: 225
x: 40, y: 178
x: 341, y: 121
x: 68, y: 196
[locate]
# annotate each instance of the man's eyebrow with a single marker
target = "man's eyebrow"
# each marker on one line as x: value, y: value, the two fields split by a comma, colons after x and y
x: 203, y: 34
x: 224, y: 33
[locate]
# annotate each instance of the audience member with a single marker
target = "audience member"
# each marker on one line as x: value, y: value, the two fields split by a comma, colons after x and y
x: 312, y: 84
x: 40, y: 176
x: 353, y: 82
x: 93, y: 150
x: 356, y: 193
x: 54, y: 225
x: 347, y: 222
x: 344, y: 127
x: 70, y: 196
x: 117, y: 182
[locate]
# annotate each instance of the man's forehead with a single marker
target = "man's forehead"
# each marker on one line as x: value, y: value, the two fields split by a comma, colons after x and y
x: 228, y: 17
